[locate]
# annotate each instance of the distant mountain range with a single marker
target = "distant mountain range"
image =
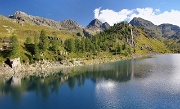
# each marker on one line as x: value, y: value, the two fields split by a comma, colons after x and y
x: 140, y: 34
x: 163, y: 30
x: 93, y: 27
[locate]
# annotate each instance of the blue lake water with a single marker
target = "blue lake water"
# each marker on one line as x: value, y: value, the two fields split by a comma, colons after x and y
x: 147, y: 83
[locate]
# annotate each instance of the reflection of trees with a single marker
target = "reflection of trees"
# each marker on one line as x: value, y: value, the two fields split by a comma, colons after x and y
x: 6, y: 89
x: 45, y: 89
x: 42, y: 86
x: 71, y: 82
x: 119, y: 71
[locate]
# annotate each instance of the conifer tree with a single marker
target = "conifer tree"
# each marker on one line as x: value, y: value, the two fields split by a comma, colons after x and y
x: 14, y: 47
x: 36, y: 49
x: 28, y: 40
x: 55, y: 44
x: 44, y: 41
x: 72, y: 45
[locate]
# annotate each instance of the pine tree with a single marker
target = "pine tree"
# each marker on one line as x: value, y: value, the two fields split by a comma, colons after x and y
x: 119, y: 49
x: 72, y: 45
x: 44, y: 41
x: 124, y: 46
x: 36, y: 49
x: 77, y: 45
x: 14, y: 47
x: 28, y: 40
x: 87, y: 45
x: 29, y: 45
x: 55, y: 44
x: 83, y: 46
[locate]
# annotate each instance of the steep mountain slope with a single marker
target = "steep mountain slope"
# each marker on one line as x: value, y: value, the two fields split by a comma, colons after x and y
x: 157, y: 31
x: 122, y: 39
x: 24, y: 25
x: 24, y: 29
x: 67, y: 24
x: 170, y: 31
x: 133, y: 37
x: 96, y: 24
x: 146, y: 44
x: 94, y: 27
x: 147, y: 27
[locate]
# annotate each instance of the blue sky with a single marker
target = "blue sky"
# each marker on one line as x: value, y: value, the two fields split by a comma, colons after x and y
x: 82, y: 11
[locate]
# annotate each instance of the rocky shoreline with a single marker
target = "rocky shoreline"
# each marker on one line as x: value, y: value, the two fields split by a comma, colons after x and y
x: 45, y: 68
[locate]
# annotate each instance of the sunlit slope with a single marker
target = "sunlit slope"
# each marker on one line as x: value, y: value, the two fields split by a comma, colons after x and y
x: 23, y: 30
x: 146, y: 44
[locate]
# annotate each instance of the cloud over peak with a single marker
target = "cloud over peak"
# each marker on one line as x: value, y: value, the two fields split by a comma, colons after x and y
x: 153, y: 15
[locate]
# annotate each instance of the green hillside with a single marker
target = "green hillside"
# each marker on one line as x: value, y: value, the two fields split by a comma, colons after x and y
x: 144, y: 43
x: 31, y: 42
x: 24, y: 30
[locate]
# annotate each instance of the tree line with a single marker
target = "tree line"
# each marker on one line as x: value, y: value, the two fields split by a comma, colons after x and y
x: 112, y: 40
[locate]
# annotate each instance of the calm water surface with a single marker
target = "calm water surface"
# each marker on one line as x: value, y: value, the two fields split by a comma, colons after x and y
x: 149, y: 83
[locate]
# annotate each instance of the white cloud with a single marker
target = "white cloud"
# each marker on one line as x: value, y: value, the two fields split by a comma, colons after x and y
x: 153, y: 15
x: 96, y: 12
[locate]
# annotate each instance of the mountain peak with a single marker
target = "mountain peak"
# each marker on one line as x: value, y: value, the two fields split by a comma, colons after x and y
x: 163, y: 30
x: 19, y: 15
x: 94, y: 24
x: 105, y: 25
x: 138, y: 21
x: 66, y: 24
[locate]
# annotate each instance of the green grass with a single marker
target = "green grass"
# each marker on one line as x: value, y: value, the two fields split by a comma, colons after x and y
x: 29, y: 29
x: 156, y: 45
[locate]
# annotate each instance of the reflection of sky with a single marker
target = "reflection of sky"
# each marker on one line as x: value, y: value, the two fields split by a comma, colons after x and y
x: 106, y: 93
x: 151, y: 83
x: 166, y: 75
x: 160, y: 89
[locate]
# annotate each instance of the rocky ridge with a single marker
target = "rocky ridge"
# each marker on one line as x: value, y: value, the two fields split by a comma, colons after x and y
x: 163, y: 30
x: 71, y: 25
x: 96, y: 24
x: 170, y: 31
x: 66, y: 24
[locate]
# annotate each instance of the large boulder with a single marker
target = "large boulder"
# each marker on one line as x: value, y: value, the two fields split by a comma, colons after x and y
x: 14, y: 63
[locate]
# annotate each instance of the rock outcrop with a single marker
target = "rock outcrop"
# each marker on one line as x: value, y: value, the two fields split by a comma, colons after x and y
x: 67, y: 24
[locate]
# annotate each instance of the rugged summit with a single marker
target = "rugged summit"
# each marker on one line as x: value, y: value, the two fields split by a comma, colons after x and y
x: 94, y: 27
x: 163, y: 30
x: 67, y: 24
x: 96, y: 24
x: 141, y: 22
x: 147, y: 26
x: 105, y: 25
x: 170, y: 31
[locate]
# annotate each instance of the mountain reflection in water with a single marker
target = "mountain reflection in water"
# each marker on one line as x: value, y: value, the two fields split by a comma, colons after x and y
x: 118, y: 71
x: 152, y: 82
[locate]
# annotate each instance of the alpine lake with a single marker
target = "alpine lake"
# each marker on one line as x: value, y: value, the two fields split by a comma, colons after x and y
x: 142, y: 83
